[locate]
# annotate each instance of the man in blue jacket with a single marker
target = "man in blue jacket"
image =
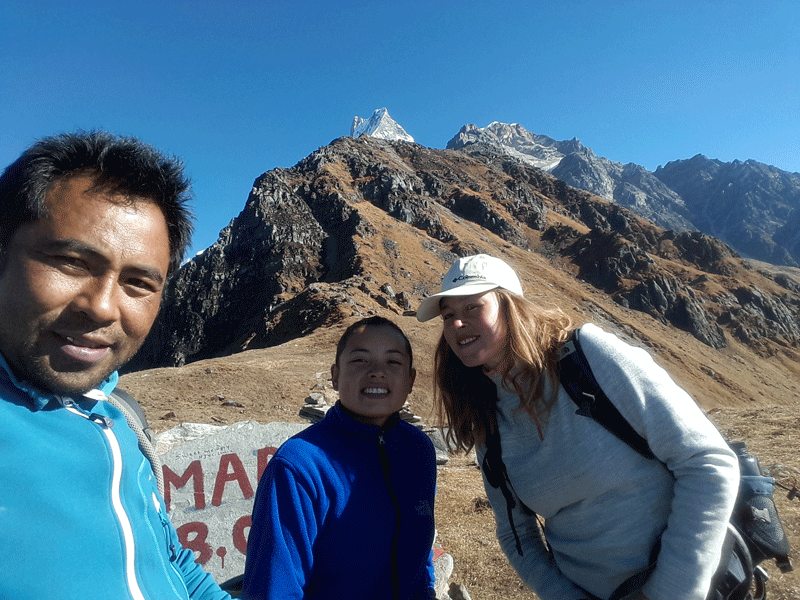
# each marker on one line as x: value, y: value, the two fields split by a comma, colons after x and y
x: 91, y: 226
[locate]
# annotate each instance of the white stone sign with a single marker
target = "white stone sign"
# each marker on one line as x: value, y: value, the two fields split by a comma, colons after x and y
x: 211, y: 474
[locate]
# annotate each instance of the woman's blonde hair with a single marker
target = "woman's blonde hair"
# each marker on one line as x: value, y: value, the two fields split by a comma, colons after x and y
x: 466, y: 397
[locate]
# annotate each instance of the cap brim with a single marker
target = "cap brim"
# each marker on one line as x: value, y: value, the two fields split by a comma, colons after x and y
x: 429, y: 307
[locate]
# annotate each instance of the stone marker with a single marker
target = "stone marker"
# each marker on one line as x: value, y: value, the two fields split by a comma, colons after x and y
x: 211, y: 474
x: 443, y: 569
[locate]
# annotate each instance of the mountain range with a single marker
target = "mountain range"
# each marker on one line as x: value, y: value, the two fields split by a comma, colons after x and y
x: 753, y: 207
x: 366, y: 225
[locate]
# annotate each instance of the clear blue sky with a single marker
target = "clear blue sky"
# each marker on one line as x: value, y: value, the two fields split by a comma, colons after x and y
x: 236, y: 88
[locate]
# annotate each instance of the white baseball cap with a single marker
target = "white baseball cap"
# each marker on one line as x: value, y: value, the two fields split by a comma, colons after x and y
x: 471, y: 275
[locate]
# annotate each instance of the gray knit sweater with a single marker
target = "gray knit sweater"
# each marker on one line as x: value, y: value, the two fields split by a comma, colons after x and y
x: 603, y: 504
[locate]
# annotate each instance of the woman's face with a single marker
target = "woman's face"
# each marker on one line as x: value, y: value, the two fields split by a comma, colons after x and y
x: 475, y: 329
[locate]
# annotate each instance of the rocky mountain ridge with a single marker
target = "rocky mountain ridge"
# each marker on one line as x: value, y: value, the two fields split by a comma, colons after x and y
x: 749, y: 204
x: 367, y: 225
x: 753, y: 207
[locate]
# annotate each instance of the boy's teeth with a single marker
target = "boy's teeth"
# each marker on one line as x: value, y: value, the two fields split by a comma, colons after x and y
x: 376, y: 391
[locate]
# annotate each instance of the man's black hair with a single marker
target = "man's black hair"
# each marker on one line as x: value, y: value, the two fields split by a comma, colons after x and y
x: 119, y: 165
x: 373, y: 321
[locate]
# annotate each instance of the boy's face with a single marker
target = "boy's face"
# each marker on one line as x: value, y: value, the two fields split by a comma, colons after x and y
x: 374, y: 375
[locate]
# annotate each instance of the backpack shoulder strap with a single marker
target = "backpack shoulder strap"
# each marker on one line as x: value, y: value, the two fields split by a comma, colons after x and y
x: 137, y: 421
x: 576, y: 377
x: 494, y: 470
x: 132, y: 406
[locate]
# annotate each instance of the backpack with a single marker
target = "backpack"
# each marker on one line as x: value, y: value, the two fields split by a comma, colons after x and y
x: 755, y: 532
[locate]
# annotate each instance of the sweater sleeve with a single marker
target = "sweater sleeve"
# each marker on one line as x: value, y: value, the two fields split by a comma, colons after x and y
x: 536, y: 566
x: 679, y: 434
x: 430, y: 572
x: 199, y: 583
x: 284, y: 527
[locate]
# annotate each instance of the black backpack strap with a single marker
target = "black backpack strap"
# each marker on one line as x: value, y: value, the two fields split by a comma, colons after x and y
x: 494, y: 469
x: 577, y: 378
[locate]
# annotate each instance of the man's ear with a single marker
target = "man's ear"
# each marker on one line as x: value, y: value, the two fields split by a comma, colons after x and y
x: 335, y: 377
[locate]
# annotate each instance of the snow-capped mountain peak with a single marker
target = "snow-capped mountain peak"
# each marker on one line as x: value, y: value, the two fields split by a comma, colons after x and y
x: 536, y: 150
x: 379, y: 125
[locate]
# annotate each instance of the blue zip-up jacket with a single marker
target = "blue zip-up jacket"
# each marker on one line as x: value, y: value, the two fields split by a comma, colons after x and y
x: 342, y: 510
x: 80, y: 514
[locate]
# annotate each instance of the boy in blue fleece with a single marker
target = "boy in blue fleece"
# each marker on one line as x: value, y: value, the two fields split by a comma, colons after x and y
x: 345, y: 508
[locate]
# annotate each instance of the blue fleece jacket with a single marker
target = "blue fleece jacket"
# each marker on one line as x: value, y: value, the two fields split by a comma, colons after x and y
x: 80, y: 514
x: 332, y: 519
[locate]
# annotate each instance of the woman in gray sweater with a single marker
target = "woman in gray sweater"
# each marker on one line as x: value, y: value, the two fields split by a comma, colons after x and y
x: 610, y: 514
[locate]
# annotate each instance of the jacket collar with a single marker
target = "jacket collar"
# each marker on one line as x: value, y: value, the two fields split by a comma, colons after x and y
x: 344, y: 417
x: 41, y: 398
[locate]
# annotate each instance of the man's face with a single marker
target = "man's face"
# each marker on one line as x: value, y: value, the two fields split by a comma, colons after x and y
x: 81, y: 287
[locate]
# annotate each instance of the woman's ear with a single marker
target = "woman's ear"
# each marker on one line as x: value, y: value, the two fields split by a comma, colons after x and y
x: 412, y: 377
x: 335, y: 377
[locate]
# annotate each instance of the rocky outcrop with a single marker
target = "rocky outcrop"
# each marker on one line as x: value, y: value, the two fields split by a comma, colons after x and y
x: 668, y: 299
x: 747, y: 204
x: 759, y: 315
x: 367, y: 225
x: 631, y: 275
x: 625, y: 257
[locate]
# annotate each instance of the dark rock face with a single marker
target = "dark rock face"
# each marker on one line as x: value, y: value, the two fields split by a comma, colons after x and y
x: 356, y: 227
x: 629, y: 185
x: 627, y: 272
x: 676, y: 304
x: 788, y: 237
x: 747, y: 204
x: 764, y: 315
x: 275, y: 246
